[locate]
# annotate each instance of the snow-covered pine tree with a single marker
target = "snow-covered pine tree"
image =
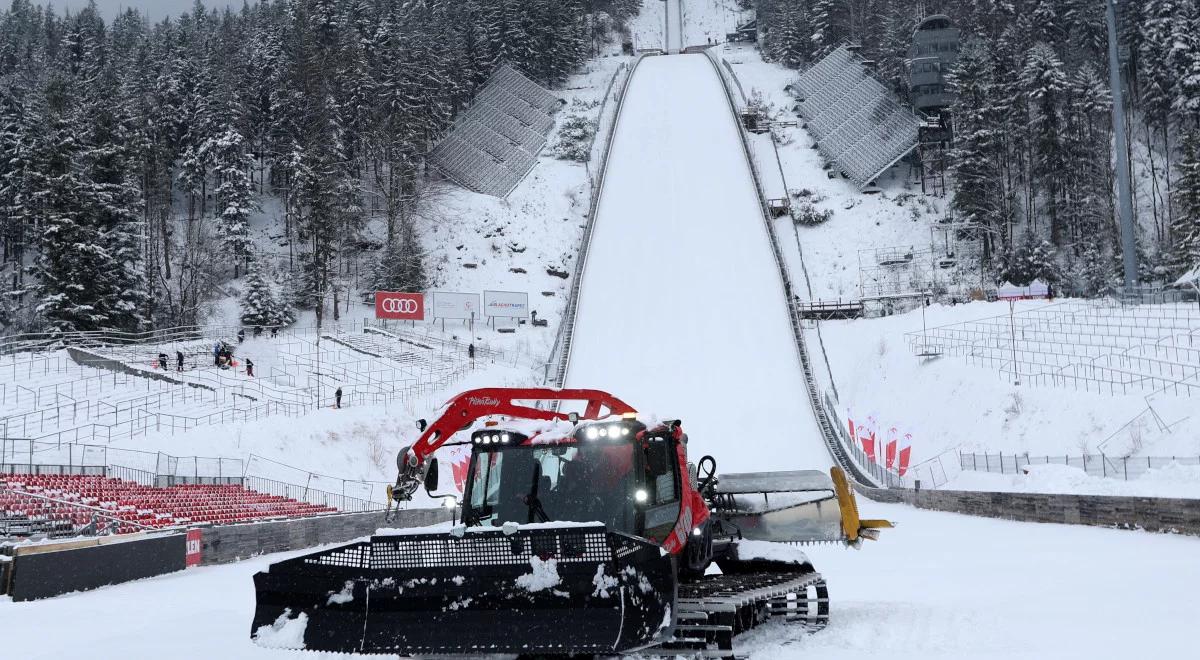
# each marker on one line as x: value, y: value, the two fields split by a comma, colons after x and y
x: 232, y: 166
x: 1155, y: 83
x: 975, y: 159
x: 111, y: 201
x: 262, y: 303
x: 1185, y: 251
x: 1183, y: 61
x: 258, y: 300
x: 1031, y: 259
x: 1045, y: 85
x: 575, y: 134
x: 1088, y: 203
x: 402, y: 267
x: 790, y: 41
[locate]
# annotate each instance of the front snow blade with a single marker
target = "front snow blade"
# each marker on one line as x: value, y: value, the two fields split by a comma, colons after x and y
x: 570, y: 589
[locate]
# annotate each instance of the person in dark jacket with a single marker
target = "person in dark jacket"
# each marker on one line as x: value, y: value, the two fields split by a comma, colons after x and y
x: 337, y: 397
x: 471, y: 354
x: 178, y: 360
x: 241, y: 335
x: 250, y: 367
x: 162, y: 361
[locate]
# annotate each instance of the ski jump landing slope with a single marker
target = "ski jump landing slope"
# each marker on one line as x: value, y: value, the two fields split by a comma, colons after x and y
x: 681, y: 311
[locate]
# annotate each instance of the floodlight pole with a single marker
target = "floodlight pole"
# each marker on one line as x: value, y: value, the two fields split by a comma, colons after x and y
x: 1128, y: 245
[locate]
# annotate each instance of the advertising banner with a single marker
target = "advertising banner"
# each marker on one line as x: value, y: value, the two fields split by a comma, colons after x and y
x: 399, y: 306
x: 448, y: 305
x: 192, y: 549
x: 506, y: 304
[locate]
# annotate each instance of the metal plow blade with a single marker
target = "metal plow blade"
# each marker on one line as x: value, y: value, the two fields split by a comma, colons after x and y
x: 783, y: 507
x: 561, y: 590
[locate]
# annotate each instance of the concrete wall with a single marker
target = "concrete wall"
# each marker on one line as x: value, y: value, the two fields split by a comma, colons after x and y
x: 90, y: 359
x: 1155, y: 514
x: 233, y: 542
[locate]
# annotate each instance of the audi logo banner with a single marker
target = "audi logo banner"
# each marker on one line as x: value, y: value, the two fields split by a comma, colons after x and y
x: 399, y: 306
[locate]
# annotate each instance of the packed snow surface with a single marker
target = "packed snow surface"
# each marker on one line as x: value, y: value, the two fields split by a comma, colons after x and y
x: 681, y: 309
x: 938, y: 586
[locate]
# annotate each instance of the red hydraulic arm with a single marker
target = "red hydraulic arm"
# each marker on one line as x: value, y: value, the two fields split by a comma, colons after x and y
x: 461, y: 411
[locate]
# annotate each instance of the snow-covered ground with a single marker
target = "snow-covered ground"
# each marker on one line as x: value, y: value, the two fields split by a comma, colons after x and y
x: 1173, y: 480
x: 682, y: 311
x: 678, y: 234
x: 946, y: 403
x: 942, y: 404
x: 898, y: 216
x: 938, y: 586
x: 949, y: 586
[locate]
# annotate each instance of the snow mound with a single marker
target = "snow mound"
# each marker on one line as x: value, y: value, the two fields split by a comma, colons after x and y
x: 544, y: 575
x: 767, y: 550
x: 603, y: 582
x: 342, y: 597
x: 285, y: 633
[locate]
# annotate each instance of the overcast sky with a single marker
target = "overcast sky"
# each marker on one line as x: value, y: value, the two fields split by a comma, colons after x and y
x: 155, y: 9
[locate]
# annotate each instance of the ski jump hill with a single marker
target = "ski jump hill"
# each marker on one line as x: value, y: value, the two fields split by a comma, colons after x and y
x: 680, y: 306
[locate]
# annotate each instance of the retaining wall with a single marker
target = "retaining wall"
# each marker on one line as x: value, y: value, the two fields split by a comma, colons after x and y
x: 228, y: 543
x: 1157, y: 514
x: 98, y: 361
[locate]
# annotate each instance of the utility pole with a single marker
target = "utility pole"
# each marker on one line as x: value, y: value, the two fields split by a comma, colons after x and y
x: 1124, y: 200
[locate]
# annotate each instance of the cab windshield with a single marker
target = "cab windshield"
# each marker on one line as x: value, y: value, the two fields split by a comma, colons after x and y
x: 591, y: 482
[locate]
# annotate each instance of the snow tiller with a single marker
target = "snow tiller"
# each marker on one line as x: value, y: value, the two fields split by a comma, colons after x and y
x: 580, y: 534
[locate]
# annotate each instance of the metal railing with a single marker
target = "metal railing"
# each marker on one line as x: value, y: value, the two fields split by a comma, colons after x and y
x: 35, y: 457
x: 276, y: 471
x: 344, y: 503
x: 560, y: 354
x: 1096, y: 465
x: 842, y: 455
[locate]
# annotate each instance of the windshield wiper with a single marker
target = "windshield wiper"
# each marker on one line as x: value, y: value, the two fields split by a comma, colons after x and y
x: 531, y: 499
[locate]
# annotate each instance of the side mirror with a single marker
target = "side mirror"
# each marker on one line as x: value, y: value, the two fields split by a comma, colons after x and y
x: 573, y: 417
x: 422, y: 425
x: 431, y: 476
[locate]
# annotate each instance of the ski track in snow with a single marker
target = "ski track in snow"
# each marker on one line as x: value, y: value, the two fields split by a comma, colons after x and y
x: 681, y: 310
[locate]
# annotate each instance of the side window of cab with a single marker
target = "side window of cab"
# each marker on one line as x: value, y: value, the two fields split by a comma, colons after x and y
x: 662, y: 487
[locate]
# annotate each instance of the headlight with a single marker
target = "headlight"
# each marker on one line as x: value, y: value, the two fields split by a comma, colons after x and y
x: 592, y: 433
x: 640, y: 495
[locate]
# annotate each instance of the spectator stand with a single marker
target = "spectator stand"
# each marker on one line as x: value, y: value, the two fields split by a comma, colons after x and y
x: 495, y: 142
x: 857, y: 123
x: 69, y: 490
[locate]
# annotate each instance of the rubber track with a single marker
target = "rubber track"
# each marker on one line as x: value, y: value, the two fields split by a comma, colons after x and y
x: 713, y: 611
